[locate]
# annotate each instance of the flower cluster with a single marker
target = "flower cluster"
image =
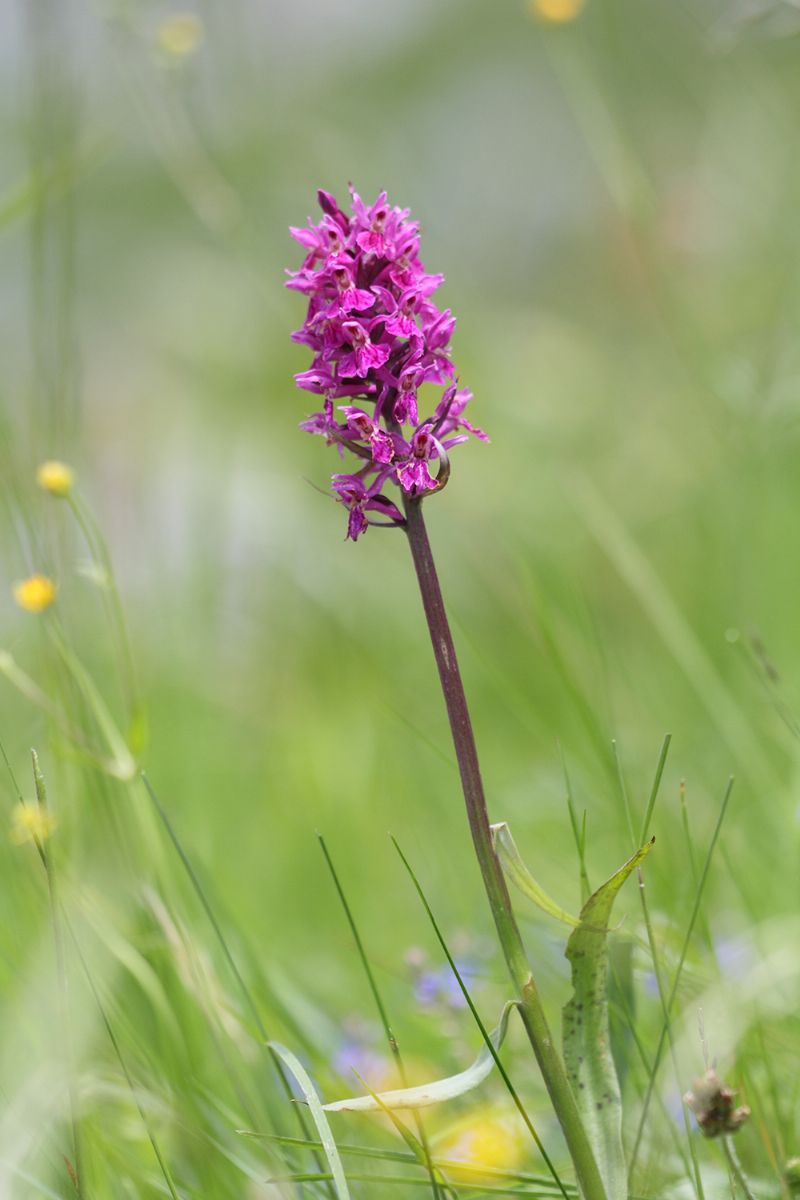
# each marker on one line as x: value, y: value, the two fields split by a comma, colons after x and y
x: 377, y: 337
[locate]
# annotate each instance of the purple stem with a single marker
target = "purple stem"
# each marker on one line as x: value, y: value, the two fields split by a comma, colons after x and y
x: 533, y: 1015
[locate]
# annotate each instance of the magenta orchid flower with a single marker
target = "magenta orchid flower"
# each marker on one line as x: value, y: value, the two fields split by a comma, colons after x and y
x: 376, y: 337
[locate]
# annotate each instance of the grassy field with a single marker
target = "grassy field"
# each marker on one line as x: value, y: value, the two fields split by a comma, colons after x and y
x: 613, y: 201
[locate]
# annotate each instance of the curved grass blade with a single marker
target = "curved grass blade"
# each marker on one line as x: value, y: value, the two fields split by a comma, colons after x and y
x: 677, y: 977
x: 247, y: 995
x: 112, y: 1037
x: 651, y: 803
x: 318, y: 1116
x: 511, y: 861
x: 384, y: 1016
x: 478, y: 1189
x: 578, y: 832
x: 512, y: 1091
x: 421, y: 1152
x: 587, y: 1050
x: 437, y: 1091
x: 121, y: 765
x: 402, y: 1156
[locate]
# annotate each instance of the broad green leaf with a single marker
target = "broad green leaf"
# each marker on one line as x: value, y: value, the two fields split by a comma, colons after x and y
x: 320, y: 1120
x: 437, y: 1091
x: 587, y: 1048
x: 511, y: 861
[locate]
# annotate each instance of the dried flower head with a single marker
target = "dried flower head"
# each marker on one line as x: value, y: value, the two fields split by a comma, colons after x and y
x: 35, y: 594
x: 377, y: 337
x: 30, y: 823
x: 55, y: 477
x: 713, y: 1106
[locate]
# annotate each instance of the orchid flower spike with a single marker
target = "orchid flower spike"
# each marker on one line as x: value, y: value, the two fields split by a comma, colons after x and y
x: 376, y: 338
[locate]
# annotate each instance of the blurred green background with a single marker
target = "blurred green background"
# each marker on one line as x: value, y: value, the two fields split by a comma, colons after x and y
x: 613, y: 201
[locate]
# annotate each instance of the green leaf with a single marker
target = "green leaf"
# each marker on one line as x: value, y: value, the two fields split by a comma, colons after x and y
x: 587, y: 1048
x: 318, y: 1116
x: 511, y: 861
x: 437, y: 1091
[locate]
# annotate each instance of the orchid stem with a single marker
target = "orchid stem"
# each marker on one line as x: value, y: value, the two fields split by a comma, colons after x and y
x: 535, y: 1021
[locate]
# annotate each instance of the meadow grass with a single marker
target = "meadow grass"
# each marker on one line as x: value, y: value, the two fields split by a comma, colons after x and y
x: 619, y: 565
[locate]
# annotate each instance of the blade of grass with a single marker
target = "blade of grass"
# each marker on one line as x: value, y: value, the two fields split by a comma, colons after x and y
x: 402, y: 1156
x: 691, y: 858
x: 28, y: 688
x: 200, y: 892
x: 41, y: 1189
x: 651, y: 803
x: 773, y: 1090
x: 629, y: 1017
x: 579, y: 834
x: 569, y: 676
x: 122, y: 764
x: 244, y: 990
x: 381, y: 1007
x: 732, y: 1157
x: 678, y: 971
x: 62, y: 980
x: 406, y: 1180
x: 47, y: 864
x: 623, y: 790
x: 99, y: 551
x: 476, y: 1017
x: 420, y: 1151
x: 151, y: 1136
x: 318, y: 1116
x: 697, y: 1179
x: 680, y: 639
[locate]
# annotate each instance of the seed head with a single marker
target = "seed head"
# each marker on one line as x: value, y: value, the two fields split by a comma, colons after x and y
x: 713, y: 1106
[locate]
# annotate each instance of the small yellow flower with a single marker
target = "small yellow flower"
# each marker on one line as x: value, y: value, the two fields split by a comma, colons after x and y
x: 180, y: 35
x: 486, y: 1140
x: 35, y: 594
x: 30, y: 823
x: 556, y: 12
x: 55, y: 477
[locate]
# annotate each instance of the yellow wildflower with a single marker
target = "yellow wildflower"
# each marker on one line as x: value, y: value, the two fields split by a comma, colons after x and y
x: 556, y: 12
x: 55, y: 477
x: 486, y: 1140
x: 180, y: 35
x: 35, y: 594
x: 30, y: 823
